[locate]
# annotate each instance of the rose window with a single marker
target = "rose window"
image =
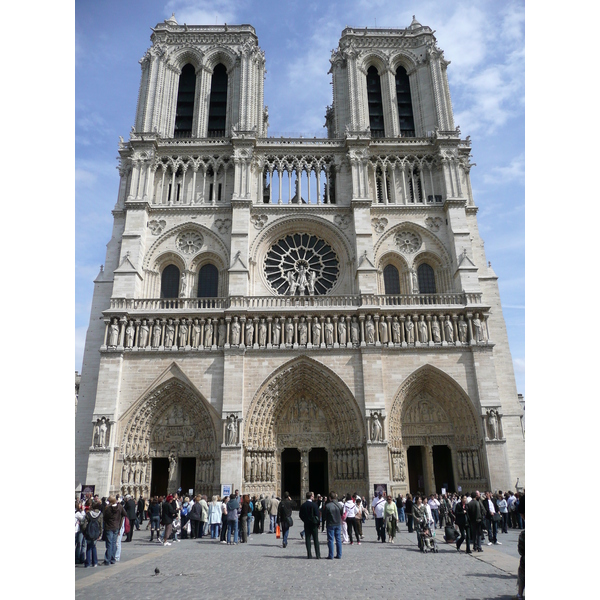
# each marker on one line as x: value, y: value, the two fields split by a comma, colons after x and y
x: 190, y: 242
x: 301, y: 264
x: 407, y: 241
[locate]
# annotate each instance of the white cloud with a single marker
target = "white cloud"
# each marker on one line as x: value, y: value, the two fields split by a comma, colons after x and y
x: 189, y: 11
x: 519, y: 365
x: 512, y: 172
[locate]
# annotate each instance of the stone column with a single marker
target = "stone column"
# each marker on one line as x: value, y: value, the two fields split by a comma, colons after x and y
x: 429, y: 475
x: 304, y: 472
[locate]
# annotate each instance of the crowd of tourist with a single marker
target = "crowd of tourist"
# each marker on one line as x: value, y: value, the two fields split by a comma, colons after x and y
x: 466, y: 518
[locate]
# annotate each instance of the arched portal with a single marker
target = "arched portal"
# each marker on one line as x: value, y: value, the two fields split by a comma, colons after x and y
x: 434, y: 431
x: 305, y: 407
x: 169, y: 441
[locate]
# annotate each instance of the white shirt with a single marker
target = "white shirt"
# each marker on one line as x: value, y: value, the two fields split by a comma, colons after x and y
x: 378, y: 505
x: 351, y: 509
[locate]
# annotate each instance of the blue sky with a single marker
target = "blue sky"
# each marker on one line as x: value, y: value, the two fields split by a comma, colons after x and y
x: 483, y: 40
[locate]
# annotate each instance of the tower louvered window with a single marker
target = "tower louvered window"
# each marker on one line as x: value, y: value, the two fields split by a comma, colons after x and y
x: 405, y: 111
x: 217, y: 111
x: 184, y: 114
x: 375, y: 103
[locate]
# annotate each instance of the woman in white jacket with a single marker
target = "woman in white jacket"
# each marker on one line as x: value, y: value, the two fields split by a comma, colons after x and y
x: 214, y: 517
x: 351, y: 512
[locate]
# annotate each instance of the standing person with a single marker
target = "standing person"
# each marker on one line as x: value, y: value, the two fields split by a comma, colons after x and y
x: 503, y: 509
x: 434, y: 506
x: 284, y: 517
x: 176, y: 504
x: 273, y: 508
x: 154, y: 513
x: 332, y: 515
x: 214, y: 517
x: 462, y: 520
x: 260, y: 514
x: 377, y: 506
x: 310, y: 516
x: 203, y: 516
x: 167, y: 516
x: 419, y: 513
x: 130, y: 509
x: 266, y: 512
x: 351, y: 512
x: 223, y: 535
x: 361, y: 515
x: 390, y: 514
x: 113, y: 519
x: 492, y: 516
x: 475, y: 517
x: 79, y: 537
x: 141, y: 507
x: 195, y: 515
x: 185, y: 518
x: 232, y: 519
x: 246, y: 511
x: 408, y: 509
x: 92, y: 532
x: 400, y: 507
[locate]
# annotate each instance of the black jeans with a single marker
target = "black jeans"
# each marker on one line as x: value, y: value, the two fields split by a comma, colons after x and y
x: 380, y: 527
x: 492, y: 527
x: 464, y: 535
x: 409, y: 522
x: 312, y: 531
x: 351, y: 523
x: 476, y: 529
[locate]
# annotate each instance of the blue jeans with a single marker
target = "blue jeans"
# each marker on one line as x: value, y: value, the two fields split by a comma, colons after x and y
x: 232, y: 526
x: 79, y: 548
x: 435, y: 513
x: 119, y: 537
x: 272, y: 523
x: 334, y: 532
x: 214, y: 530
x: 91, y: 555
x: 111, y: 546
x: 285, y: 531
x: 401, y: 514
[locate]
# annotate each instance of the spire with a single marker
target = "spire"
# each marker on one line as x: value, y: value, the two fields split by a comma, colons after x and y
x: 415, y: 24
x: 172, y: 20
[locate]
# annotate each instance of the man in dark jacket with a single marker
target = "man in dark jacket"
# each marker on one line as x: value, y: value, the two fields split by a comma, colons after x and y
x: 141, y: 507
x: 233, y: 508
x: 462, y: 520
x: 168, y: 514
x: 130, y: 512
x: 112, y: 519
x: 475, y: 514
x: 284, y: 516
x: 333, y: 518
x: 309, y: 514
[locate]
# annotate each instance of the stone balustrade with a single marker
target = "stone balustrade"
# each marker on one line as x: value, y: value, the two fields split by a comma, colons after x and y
x: 146, y: 305
x: 396, y: 329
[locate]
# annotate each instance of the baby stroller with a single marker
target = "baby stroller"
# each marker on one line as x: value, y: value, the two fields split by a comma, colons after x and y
x: 426, y: 537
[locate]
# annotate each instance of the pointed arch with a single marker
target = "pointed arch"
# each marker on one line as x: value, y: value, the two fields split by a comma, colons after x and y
x: 303, y: 377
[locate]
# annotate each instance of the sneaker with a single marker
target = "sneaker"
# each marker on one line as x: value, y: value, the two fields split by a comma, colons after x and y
x: 358, y: 543
x: 489, y: 543
x: 499, y: 543
x: 95, y: 565
x: 167, y: 544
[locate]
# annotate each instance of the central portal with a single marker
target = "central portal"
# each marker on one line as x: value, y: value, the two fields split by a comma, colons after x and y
x: 291, y: 473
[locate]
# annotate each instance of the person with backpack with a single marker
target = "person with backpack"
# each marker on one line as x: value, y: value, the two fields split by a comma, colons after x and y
x: 284, y: 517
x: 113, y: 522
x: 93, y: 532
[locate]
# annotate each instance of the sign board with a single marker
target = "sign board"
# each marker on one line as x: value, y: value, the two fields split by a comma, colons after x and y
x: 460, y: 488
x: 443, y: 491
x: 380, y: 487
x: 226, y: 489
x: 87, y: 491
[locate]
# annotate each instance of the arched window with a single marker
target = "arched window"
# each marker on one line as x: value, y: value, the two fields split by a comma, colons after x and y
x: 405, y: 111
x: 382, y: 195
x: 391, y: 280
x: 414, y: 184
x: 169, y: 282
x: 217, y: 109
x: 184, y: 114
x: 208, y: 282
x: 375, y: 103
x: 426, y: 278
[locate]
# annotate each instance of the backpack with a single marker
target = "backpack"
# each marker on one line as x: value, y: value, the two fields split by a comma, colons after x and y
x: 259, y: 506
x: 92, y: 529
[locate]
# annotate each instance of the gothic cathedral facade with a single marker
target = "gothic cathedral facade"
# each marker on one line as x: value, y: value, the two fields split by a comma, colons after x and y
x: 285, y: 314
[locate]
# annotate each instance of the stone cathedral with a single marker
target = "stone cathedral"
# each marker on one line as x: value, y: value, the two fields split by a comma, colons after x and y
x: 286, y: 314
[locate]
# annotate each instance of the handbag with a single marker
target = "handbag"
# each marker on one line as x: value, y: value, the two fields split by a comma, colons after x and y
x: 277, y: 532
x: 127, y: 525
x: 497, y: 517
x: 290, y: 521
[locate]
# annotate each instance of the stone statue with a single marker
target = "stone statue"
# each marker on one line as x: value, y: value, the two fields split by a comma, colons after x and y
x: 302, y: 332
x: 342, y: 331
x: 423, y: 336
x: 222, y: 333
x: 232, y: 428
x: 435, y: 331
x: 262, y: 333
x: 208, y: 333
x: 102, y: 429
x: 492, y: 424
x: 289, y: 332
x: 183, y: 334
x: 396, y: 336
x: 183, y: 290
x: 113, y: 333
x: 172, y: 466
x: 248, y: 466
x: 462, y: 330
x: 410, y: 331
x: 312, y: 279
x: 249, y: 332
x: 125, y: 473
x: 415, y: 281
x: 235, y: 332
x: 329, y: 332
x: 169, y: 334
x: 144, y: 334
x: 156, y: 334
x: 276, y: 332
x: 448, y: 330
x: 369, y: 330
x: 291, y: 278
x: 355, y: 331
x: 376, y: 429
x: 129, y: 333
x: 302, y: 280
x: 477, y: 328
x: 316, y: 332
x: 383, y: 331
